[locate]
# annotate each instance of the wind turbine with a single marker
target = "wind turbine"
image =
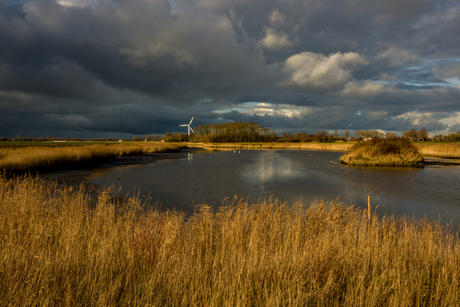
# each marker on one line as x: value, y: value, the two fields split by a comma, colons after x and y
x: 189, y: 128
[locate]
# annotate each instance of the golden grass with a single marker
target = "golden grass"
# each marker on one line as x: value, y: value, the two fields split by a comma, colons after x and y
x: 383, y: 152
x: 20, y: 159
x: 58, y: 248
x: 265, y: 146
x: 439, y: 150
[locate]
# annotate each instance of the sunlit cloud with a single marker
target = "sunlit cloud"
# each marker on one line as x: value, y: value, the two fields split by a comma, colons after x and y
x: 275, y: 40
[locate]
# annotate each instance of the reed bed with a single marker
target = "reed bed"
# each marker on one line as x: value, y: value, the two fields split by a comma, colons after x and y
x: 59, y: 247
x: 383, y: 152
x: 440, y: 150
x: 267, y: 146
x: 22, y: 159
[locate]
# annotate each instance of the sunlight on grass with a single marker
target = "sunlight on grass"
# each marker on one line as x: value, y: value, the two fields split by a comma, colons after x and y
x: 284, y: 145
x: 383, y: 152
x: 60, y: 247
x: 439, y: 150
x: 21, y: 159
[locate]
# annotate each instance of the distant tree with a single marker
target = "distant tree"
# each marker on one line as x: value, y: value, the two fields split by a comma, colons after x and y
x: 414, y: 135
x: 336, y: 132
x: 390, y: 135
x: 232, y: 132
x: 346, y: 134
x: 422, y: 135
x: 358, y: 134
x: 438, y: 138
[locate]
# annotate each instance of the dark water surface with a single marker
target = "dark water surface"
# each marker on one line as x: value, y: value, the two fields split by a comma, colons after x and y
x: 290, y: 175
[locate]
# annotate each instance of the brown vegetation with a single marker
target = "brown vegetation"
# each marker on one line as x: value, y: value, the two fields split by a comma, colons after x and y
x: 439, y: 150
x: 307, y: 146
x: 58, y: 247
x: 21, y: 159
x: 383, y: 152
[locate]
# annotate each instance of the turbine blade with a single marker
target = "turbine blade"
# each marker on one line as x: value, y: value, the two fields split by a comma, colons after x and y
x: 192, y: 129
x: 183, y: 126
x: 191, y: 120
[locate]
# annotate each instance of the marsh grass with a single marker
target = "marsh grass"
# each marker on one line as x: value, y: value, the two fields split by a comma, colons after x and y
x: 265, y: 146
x: 27, y: 158
x: 383, y: 152
x: 58, y: 247
x: 439, y: 150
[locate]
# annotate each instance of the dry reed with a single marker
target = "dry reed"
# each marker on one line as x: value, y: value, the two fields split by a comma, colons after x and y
x: 439, y: 150
x: 383, y: 152
x: 21, y: 159
x: 58, y: 247
x: 305, y: 146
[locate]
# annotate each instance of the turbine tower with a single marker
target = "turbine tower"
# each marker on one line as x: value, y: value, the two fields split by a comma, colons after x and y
x: 189, y: 128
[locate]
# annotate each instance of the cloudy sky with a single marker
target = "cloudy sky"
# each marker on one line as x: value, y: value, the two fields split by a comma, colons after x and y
x: 115, y: 68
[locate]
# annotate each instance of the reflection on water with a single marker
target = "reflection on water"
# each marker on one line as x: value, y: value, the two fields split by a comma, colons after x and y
x: 290, y: 175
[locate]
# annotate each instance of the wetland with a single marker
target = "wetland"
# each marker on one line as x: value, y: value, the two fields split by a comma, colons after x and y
x: 189, y: 177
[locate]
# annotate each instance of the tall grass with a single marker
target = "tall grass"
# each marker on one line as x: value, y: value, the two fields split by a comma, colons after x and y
x: 58, y: 247
x: 439, y: 150
x: 307, y: 146
x: 384, y: 152
x: 21, y: 159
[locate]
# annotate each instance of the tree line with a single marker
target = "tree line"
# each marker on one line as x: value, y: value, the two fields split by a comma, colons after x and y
x: 250, y: 132
x: 236, y: 132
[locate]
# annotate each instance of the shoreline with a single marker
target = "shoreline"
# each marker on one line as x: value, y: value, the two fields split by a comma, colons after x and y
x: 185, y: 148
x: 184, y: 151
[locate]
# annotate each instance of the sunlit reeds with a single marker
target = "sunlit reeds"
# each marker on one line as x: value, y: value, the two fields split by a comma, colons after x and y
x: 59, y: 247
x: 307, y: 146
x: 21, y: 159
x: 439, y: 150
x: 383, y: 152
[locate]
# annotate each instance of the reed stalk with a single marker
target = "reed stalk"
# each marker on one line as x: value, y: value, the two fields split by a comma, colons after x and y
x: 60, y: 247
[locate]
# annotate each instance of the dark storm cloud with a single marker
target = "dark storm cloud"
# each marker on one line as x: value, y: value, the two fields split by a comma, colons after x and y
x: 102, y: 67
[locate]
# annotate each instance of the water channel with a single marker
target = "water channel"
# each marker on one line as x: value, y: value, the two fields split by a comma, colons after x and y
x: 192, y: 177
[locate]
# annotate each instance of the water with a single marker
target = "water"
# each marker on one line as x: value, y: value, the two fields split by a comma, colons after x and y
x: 289, y: 175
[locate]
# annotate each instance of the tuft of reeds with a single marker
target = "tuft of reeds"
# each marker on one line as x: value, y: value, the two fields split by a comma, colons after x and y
x: 383, y: 152
x: 23, y: 159
x: 59, y: 247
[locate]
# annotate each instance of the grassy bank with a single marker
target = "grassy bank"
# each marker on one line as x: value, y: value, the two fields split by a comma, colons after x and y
x: 440, y: 150
x: 338, y: 146
x: 59, y: 248
x: 27, y: 158
x: 383, y: 152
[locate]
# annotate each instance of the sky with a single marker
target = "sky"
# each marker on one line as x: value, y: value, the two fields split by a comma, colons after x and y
x: 118, y: 68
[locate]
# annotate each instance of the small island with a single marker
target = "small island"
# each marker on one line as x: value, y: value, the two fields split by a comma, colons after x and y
x: 394, y: 151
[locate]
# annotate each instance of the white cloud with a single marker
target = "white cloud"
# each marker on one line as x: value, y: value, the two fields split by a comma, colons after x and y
x: 275, y: 40
x: 435, y: 122
x: 263, y: 108
x: 79, y: 3
x: 318, y: 73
